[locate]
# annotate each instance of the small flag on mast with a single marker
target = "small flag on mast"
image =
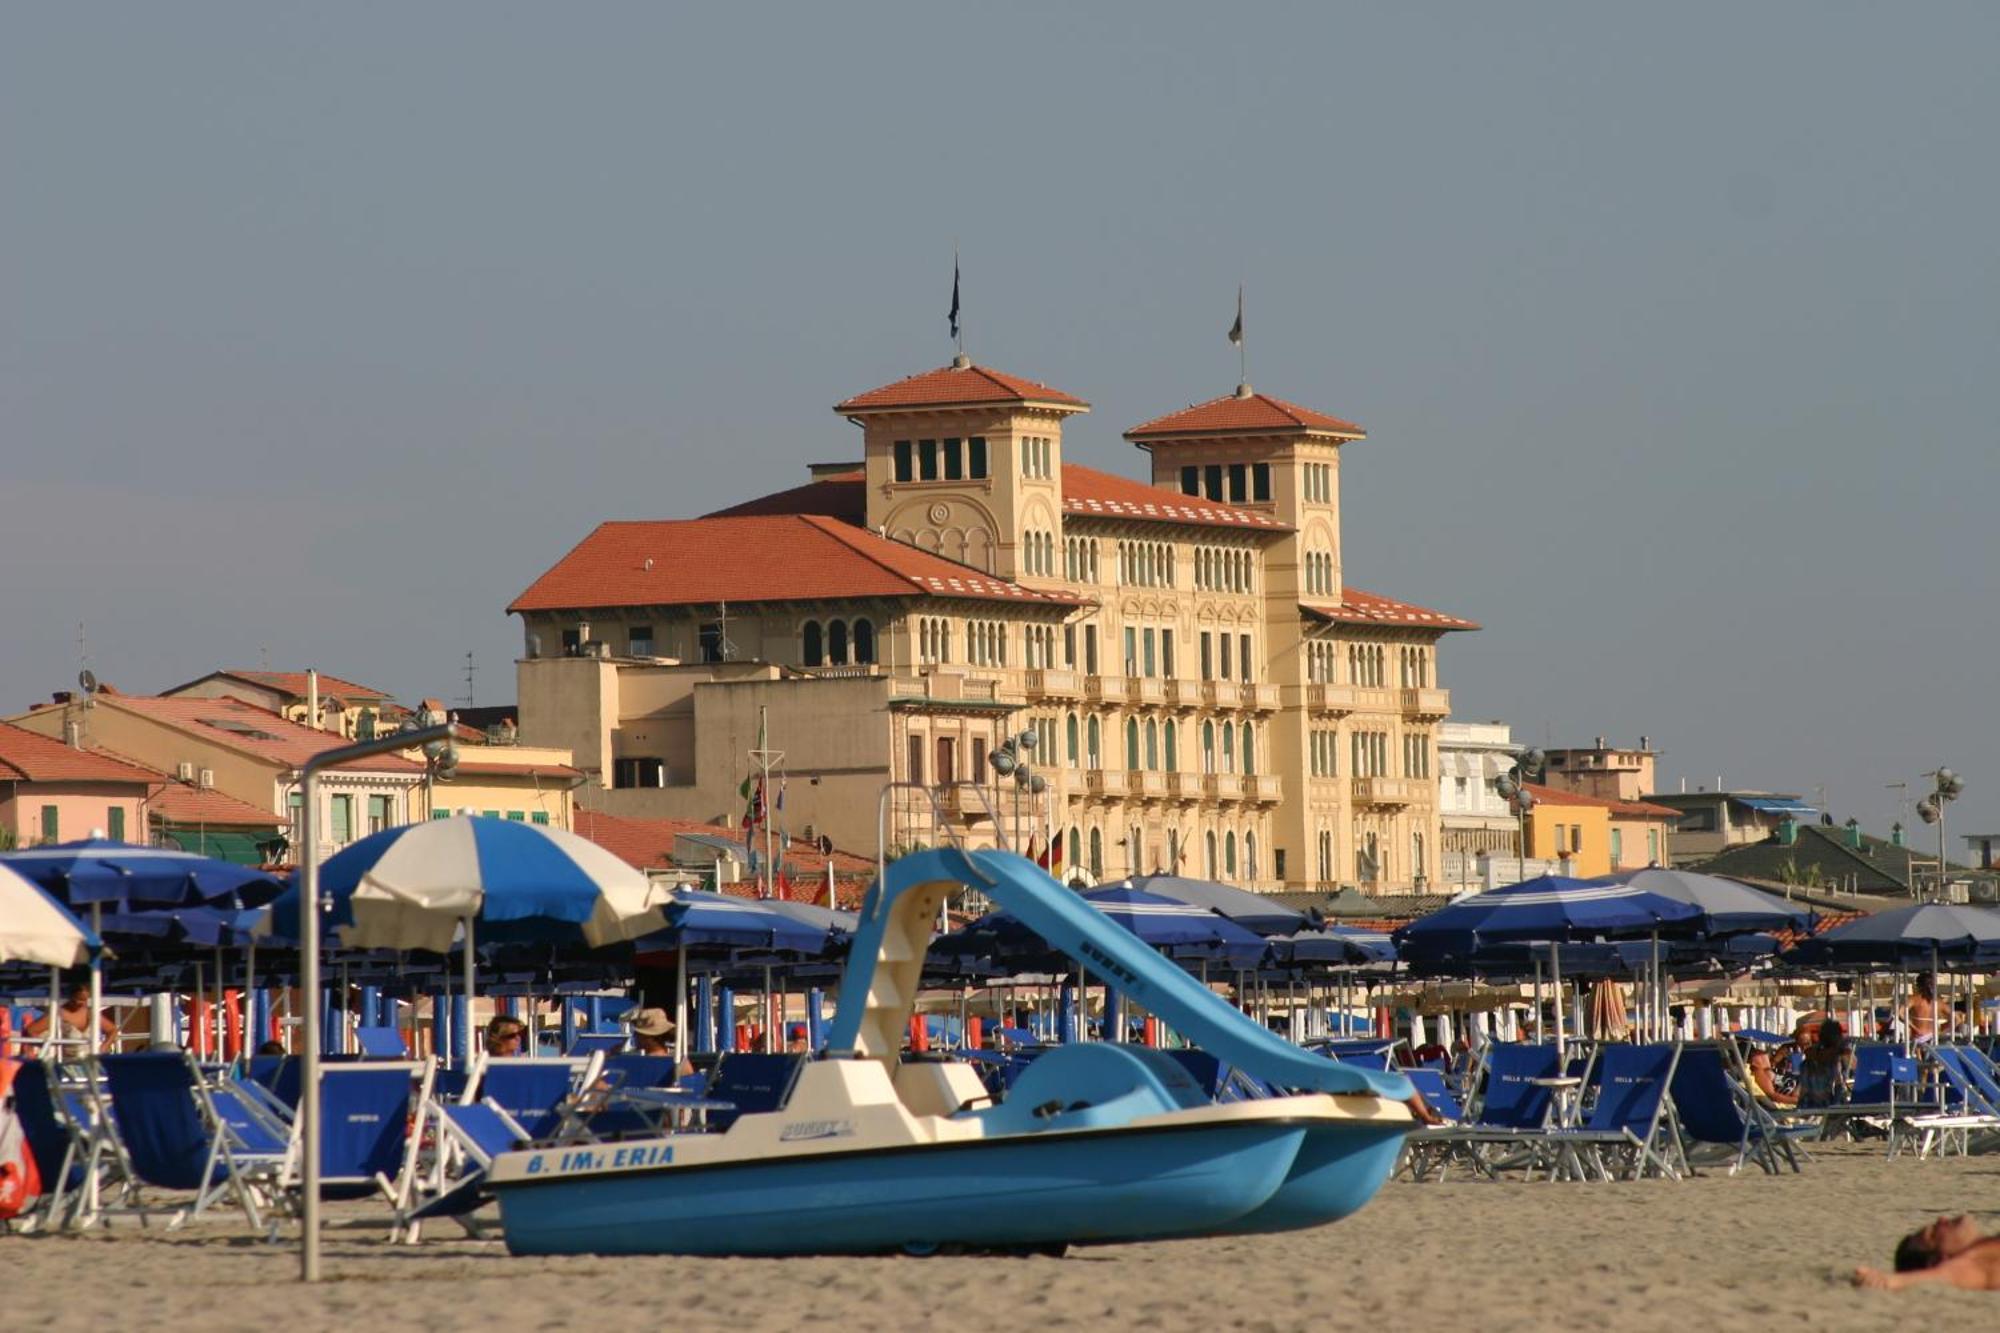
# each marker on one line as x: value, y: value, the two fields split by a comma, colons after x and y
x: 954, y: 296
x: 1235, y: 330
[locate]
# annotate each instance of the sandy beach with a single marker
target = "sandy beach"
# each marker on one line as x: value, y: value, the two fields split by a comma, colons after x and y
x: 1487, y: 1255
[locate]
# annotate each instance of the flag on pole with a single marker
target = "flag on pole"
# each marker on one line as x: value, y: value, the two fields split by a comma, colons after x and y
x: 781, y: 793
x: 1235, y: 330
x: 954, y: 296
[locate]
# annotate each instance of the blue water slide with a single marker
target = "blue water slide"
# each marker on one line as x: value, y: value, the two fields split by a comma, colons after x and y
x: 896, y: 921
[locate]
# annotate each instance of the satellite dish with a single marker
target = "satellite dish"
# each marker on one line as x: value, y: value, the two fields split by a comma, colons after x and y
x: 88, y: 680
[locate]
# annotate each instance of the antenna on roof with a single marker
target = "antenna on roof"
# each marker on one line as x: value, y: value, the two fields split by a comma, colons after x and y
x: 468, y: 680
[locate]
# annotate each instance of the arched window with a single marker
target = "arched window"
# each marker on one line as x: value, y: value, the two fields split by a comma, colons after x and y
x: 1075, y: 857
x: 1070, y: 730
x: 810, y: 650
x: 1229, y: 856
x: 1093, y: 750
x: 1173, y: 749
x: 864, y: 641
x: 1208, y: 747
x: 1132, y: 743
x: 1097, y: 854
x: 1228, y: 748
x: 1210, y: 841
x: 1249, y: 856
x: 836, y: 642
x: 1249, y: 752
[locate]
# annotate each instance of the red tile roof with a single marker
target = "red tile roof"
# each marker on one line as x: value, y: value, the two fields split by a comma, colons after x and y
x: 958, y: 386
x: 1626, y: 809
x: 181, y: 804
x: 783, y: 558
x: 1252, y: 414
x: 293, y: 684
x: 1365, y: 608
x: 844, y: 497
x: 1089, y: 493
x: 247, y: 728
x: 472, y: 765
x: 27, y: 756
x: 648, y: 844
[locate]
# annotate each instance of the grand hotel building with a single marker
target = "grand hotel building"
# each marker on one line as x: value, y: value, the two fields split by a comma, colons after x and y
x: 1207, y: 691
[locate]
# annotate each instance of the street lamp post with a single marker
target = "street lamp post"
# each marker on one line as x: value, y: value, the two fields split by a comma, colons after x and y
x: 1512, y: 786
x: 1945, y: 788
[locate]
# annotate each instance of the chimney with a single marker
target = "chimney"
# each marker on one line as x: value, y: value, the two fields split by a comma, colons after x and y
x: 1854, y: 834
x: 1896, y: 834
x: 312, y: 698
x: 1646, y: 742
x: 1788, y: 832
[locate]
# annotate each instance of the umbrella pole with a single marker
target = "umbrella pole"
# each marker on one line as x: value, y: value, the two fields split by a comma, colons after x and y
x: 463, y: 1039
x: 90, y: 1196
x: 768, y: 1047
x: 680, y: 1004
x: 1556, y: 984
x: 1540, y: 1036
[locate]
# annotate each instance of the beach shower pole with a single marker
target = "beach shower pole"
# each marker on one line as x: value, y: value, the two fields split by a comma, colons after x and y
x: 309, y: 905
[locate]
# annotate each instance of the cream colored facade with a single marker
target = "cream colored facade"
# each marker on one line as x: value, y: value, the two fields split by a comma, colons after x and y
x: 530, y: 783
x: 1194, y: 711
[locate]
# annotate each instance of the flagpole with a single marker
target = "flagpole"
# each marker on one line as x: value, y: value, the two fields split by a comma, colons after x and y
x: 766, y: 759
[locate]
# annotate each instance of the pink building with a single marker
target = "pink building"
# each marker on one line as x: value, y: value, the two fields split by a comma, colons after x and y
x: 52, y: 792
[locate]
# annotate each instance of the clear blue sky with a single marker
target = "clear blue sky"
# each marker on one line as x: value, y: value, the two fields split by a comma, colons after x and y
x: 324, y: 329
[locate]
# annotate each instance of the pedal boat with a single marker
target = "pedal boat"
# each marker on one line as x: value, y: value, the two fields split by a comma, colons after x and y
x: 1094, y: 1143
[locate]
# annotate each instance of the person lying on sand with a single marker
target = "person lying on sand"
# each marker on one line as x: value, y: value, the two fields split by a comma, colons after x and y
x: 1949, y: 1250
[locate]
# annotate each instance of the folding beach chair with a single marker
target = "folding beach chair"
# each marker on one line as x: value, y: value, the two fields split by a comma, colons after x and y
x: 1430, y: 1145
x: 1713, y: 1108
x: 1628, y: 1119
x: 1964, y: 1108
x: 181, y: 1134
x: 604, y: 1110
x: 530, y: 1090
x: 593, y: 1043
x: 1375, y: 1053
x: 468, y: 1137
x: 1504, y: 1120
x: 372, y: 1115
x: 1219, y: 1081
x: 59, y: 1140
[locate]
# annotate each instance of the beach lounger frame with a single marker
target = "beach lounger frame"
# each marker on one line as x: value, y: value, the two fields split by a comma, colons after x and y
x: 253, y: 1152
x: 1646, y: 1138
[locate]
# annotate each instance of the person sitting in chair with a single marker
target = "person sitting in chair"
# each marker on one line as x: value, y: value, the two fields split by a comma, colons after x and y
x: 73, y: 1015
x: 1949, y: 1250
x: 504, y: 1034
x: 650, y: 1030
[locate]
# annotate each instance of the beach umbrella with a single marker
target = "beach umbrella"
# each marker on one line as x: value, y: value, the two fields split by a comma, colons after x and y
x: 1547, y: 908
x: 121, y: 876
x: 1934, y: 933
x: 1725, y: 906
x: 413, y: 887
x: 1177, y: 929
x: 699, y: 918
x: 35, y: 928
x: 1254, y: 911
x: 1332, y: 946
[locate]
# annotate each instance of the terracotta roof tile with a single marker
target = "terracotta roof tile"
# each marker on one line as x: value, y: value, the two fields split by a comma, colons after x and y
x: 293, y: 683
x: 27, y: 756
x: 1627, y: 809
x: 247, y: 728
x: 1365, y: 608
x: 1089, y: 493
x: 779, y: 558
x: 958, y: 386
x: 1254, y: 414
x: 472, y: 766
x: 844, y: 497
x: 182, y: 804
x: 648, y: 844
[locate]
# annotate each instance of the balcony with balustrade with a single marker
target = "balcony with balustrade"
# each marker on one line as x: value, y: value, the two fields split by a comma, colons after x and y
x: 1044, y: 683
x: 1335, y: 700
x: 1219, y: 693
x: 1261, y: 698
x: 1104, y: 689
x: 1144, y: 691
x: 1222, y: 786
x: 1105, y: 783
x: 1382, y: 791
x: 1430, y: 704
x: 1264, y: 788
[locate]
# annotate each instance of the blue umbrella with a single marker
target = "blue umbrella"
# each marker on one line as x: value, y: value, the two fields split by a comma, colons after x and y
x: 1253, y: 911
x: 1545, y: 908
x: 119, y: 876
x: 1925, y: 933
x: 412, y: 887
x: 1177, y: 929
x: 1726, y: 906
x: 1335, y: 945
x: 698, y: 918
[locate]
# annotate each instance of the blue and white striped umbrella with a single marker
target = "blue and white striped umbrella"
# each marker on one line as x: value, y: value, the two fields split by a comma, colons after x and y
x: 1545, y: 908
x: 35, y: 928
x: 409, y: 887
x: 698, y: 918
x: 122, y: 876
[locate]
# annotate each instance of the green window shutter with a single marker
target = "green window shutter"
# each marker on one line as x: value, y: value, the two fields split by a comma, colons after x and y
x: 490, y: 814
x: 518, y: 816
x: 51, y: 824
x: 116, y: 823
x: 540, y: 817
x: 440, y: 814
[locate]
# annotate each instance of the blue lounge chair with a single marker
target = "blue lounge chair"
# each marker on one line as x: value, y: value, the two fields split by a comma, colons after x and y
x: 372, y: 1113
x: 751, y: 1083
x: 381, y: 1043
x: 1715, y: 1109
x: 1506, y: 1114
x: 469, y: 1137
x: 1375, y: 1053
x: 178, y: 1135
x: 58, y: 1139
x: 1964, y: 1109
x: 1627, y: 1120
x: 591, y: 1043
x: 532, y: 1091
